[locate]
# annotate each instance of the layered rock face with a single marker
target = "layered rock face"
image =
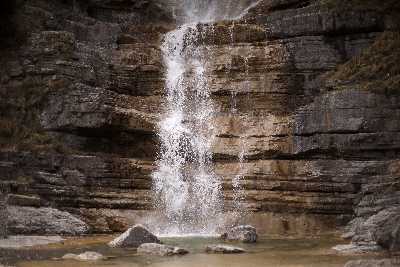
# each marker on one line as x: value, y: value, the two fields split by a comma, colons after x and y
x: 307, y: 148
x: 3, y: 212
x: 80, y: 84
x: 310, y: 156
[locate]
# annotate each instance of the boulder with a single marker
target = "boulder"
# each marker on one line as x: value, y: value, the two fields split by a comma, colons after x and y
x: 387, y: 228
x: 134, y: 237
x: 87, y: 256
x: 160, y: 250
x: 244, y: 233
x: 381, y: 230
x: 44, y: 221
x: 224, y: 249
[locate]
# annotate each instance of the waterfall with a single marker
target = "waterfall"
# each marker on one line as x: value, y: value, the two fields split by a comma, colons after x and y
x: 188, y: 194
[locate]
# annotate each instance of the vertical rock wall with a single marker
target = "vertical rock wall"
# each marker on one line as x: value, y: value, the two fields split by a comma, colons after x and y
x: 86, y: 78
x: 80, y: 85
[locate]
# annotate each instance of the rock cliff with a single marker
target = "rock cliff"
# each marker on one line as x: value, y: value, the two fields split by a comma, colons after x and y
x: 82, y: 85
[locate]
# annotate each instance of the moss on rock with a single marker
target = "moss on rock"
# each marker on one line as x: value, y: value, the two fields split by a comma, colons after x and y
x: 376, y: 68
x: 376, y: 5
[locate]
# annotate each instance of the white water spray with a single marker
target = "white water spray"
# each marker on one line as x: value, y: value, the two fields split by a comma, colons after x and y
x: 188, y: 192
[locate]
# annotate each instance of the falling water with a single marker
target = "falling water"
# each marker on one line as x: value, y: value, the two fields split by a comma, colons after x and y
x: 188, y: 192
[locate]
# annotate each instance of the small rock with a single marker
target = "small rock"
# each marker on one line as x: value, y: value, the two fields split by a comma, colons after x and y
x: 373, y: 263
x: 357, y: 248
x: 69, y: 256
x: 87, y: 256
x: 244, y: 233
x: 160, y: 250
x: 134, y: 237
x: 224, y: 249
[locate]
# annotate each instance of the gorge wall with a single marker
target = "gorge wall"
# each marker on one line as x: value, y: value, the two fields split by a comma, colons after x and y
x: 82, y: 86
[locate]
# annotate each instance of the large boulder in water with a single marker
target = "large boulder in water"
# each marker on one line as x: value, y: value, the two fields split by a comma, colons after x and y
x: 244, y: 233
x: 134, y: 237
x: 160, y: 250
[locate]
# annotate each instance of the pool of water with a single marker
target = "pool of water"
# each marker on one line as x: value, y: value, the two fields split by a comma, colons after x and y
x: 267, y: 253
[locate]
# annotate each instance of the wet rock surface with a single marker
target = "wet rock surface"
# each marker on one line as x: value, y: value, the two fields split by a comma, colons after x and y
x: 243, y: 233
x: 86, y: 256
x: 224, y: 249
x: 20, y: 241
x: 134, y: 237
x: 160, y: 250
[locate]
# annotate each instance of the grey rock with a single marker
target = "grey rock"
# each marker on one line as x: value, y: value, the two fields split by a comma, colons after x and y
x: 134, y: 237
x: 3, y: 211
x: 357, y: 248
x: 160, y: 250
x: 224, y: 249
x: 314, y: 20
x: 374, y: 263
x: 86, y: 256
x: 386, y: 226
x: 244, y: 233
x: 379, y: 230
x: 50, y: 178
x: 28, y: 220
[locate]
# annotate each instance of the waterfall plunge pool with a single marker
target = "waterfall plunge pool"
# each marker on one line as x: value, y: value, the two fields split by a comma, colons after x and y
x: 267, y: 252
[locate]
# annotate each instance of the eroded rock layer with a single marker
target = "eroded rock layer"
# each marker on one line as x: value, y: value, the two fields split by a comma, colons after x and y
x: 82, y: 87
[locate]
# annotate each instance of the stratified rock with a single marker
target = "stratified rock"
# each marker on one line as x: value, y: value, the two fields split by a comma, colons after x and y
x: 87, y: 256
x: 224, y: 249
x: 3, y: 212
x: 28, y: 220
x: 387, y: 228
x: 373, y: 263
x: 160, y: 250
x: 244, y: 233
x: 134, y: 237
x: 381, y: 230
x: 96, y: 84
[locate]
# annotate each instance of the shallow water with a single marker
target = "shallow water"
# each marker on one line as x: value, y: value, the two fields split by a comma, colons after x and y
x: 267, y: 252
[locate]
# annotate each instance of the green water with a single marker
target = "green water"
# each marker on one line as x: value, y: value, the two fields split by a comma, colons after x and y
x: 267, y: 252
